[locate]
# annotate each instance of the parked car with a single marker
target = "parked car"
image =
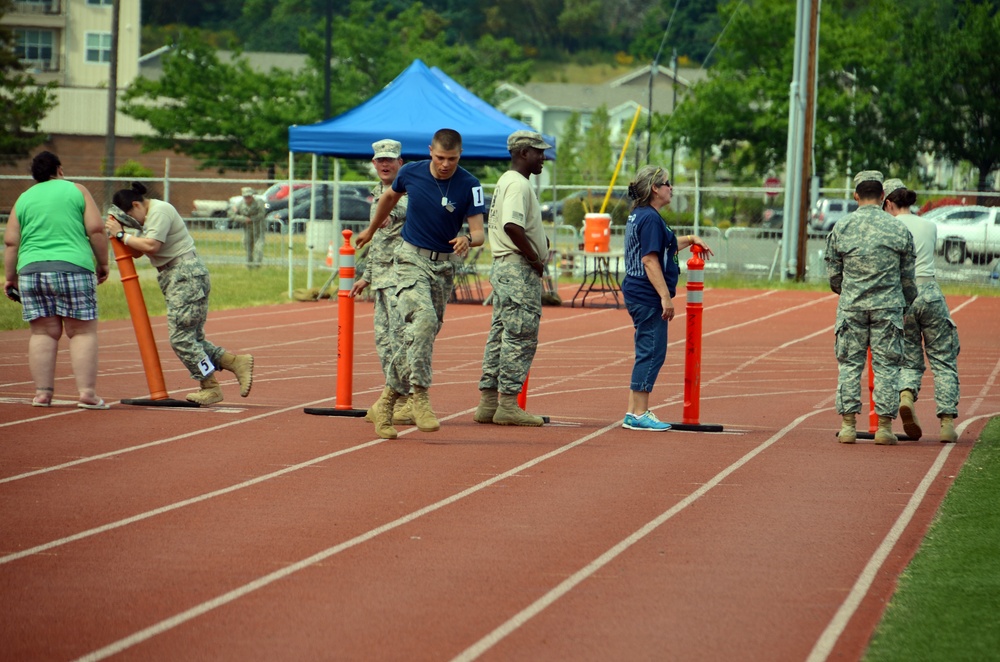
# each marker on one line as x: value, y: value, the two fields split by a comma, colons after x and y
x: 773, y: 222
x: 968, y: 231
x: 827, y: 211
x: 304, y: 193
x: 353, y: 209
x: 554, y: 210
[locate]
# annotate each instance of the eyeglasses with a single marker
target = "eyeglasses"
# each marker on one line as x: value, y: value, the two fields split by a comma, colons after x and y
x: 665, y: 182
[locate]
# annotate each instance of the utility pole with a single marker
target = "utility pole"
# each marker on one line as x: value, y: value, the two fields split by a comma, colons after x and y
x: 673, y: 109
x: 807, y: 143
x: 109, y: 138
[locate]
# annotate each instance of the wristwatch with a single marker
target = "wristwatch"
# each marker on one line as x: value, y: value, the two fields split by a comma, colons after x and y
x: 120, y: 235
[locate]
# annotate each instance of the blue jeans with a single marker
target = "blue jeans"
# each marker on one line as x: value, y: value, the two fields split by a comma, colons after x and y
x: 650, y: 345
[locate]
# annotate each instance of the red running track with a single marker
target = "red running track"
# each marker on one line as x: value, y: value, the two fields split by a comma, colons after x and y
x: 252, y: 531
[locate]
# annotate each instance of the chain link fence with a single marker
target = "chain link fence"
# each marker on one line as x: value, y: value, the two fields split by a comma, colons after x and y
x: 742, y: 225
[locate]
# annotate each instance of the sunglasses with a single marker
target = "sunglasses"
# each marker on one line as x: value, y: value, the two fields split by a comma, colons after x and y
x: 665, y: 182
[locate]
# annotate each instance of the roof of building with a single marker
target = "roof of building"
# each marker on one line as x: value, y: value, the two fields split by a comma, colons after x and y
x: 151, y: 64
x: 628, y: 90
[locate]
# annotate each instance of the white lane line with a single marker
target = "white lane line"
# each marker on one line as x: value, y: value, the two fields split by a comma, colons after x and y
x: 158, y: 442
x: 532, y: 610
x: 261, y: 582
x: 828, y: 639
x: 985, y: 390
x: 110, y: 526
x: 963, y: 304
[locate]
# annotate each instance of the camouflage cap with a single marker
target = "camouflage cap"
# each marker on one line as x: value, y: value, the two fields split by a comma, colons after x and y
x: 387, y: 149
x: 247, y: 192
x: 526, y: 139
x: 890, y: 185
x: 868, y: 176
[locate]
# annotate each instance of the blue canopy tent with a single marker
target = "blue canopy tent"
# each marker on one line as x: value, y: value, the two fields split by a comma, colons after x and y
x: 410, y: 109
x: 418, y: 102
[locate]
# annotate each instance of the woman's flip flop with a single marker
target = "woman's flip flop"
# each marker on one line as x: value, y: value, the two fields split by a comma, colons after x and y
x: 100, y: 404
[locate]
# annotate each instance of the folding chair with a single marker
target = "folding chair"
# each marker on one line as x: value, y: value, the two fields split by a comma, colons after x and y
x: 467, y: 278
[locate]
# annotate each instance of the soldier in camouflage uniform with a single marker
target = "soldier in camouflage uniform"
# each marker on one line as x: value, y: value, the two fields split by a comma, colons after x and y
x: 927, y: 325
x: 870, y: 263
x: 249, y: 213
x: 184, y: 281
x: 442, y: 196
x: 378, y: 272
x: 518, y: 244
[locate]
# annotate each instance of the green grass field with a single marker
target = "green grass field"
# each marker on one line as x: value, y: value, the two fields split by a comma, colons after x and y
x: 947, y: 605
x: 233, y: 286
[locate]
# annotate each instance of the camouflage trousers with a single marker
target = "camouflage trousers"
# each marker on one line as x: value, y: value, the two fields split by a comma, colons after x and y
x: 856, y: 330
x: 388, y: 334
x: 513, y: 337
x: 423, y: 288
x: 185, y: 288
x: 253, y: 241
x: 928, y: 327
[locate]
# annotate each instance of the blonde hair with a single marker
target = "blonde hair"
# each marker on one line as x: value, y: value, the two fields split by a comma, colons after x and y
x: 640, y: 189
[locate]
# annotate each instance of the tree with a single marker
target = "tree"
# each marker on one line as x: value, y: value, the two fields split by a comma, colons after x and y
x: 742, y: 109
x: 23, y: 104
x: 595, y: 157
x: 953, y: 79
x: 371, y: 47
x: 226, y: 115
x: 568, y: 159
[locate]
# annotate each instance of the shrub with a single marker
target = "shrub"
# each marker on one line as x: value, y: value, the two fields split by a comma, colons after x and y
x: 132, y: 169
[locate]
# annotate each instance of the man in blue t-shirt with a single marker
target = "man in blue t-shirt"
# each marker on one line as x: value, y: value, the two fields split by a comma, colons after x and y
x: 442, y: 197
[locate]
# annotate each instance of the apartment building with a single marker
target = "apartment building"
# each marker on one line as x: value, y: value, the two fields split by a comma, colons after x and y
x: 69, y: 42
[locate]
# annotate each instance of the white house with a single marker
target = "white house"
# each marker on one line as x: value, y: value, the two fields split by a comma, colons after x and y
x: 548, y: 106
x: 69, y: 42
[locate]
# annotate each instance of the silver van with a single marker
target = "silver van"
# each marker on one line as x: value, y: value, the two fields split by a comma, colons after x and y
x: 828, y: 211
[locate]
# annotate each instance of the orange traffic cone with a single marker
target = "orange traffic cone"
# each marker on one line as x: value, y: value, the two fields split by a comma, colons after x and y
x: 329, y: 256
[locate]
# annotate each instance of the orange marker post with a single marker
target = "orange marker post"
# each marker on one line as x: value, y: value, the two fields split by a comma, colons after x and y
x: 143, y: 334
x: 692, y: 349
x: 872, y: 414
x: 522, y: 397
x: 345, y: 337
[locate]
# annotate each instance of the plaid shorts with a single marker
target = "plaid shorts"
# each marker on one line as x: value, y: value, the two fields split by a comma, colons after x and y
x: 57, y: 293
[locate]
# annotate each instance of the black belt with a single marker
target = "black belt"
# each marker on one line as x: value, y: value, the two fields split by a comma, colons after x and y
x: 436, y: 256
x: 175, y: 261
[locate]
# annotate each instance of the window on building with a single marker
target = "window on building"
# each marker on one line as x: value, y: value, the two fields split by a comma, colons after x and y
x: 34, y: 48
x: 106, y: 3
x: 98, y: 47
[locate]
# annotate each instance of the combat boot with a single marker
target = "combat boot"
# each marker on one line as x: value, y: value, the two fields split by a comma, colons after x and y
x: 209, y: 394
x: 423, y: 415
x: 370, y: 414
x: 908, y: 414
x: 948, y: 434
x: 382, y: 413
x: 242, y: 366
x: 848, y: 431
x: 402, y: 413
x: 508, y: 413
x: 884, y: 435
x: 487, y: 406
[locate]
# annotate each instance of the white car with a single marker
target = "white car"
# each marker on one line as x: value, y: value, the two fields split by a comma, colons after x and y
x: 968, y: 231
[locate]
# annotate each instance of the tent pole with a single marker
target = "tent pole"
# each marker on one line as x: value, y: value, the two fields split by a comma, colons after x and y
x: 337, y: 229
x: 291, y: 182
x: 310, y: 225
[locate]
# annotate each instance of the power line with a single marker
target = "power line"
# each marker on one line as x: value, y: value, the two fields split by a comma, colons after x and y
x: 670, y: 117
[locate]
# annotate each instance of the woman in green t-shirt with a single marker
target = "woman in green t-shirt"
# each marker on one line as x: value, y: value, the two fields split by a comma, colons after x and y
x: 56, y: 253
